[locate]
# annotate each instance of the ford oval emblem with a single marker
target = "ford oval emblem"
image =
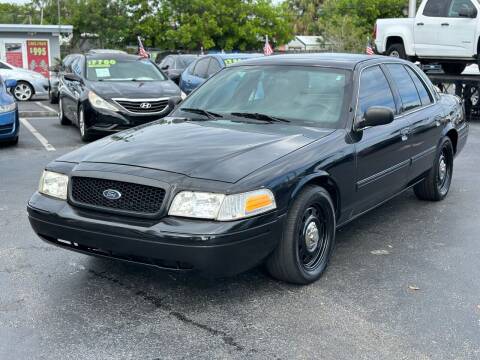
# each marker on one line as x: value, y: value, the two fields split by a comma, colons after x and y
x: 111, y: 194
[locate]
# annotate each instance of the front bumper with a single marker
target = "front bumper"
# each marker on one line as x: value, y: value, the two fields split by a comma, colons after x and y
x: 215, y: 248
x: 101, y: 122
x: 9, y: 125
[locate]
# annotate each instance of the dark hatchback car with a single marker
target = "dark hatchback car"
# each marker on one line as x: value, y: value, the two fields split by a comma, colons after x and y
x: 174, y: 65
x: 261, y: 164
x: 104, y: 92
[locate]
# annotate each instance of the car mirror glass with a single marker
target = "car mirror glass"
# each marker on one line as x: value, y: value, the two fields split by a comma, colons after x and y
x: 376, y: 116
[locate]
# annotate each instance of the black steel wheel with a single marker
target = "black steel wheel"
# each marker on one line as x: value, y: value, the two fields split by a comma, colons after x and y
x: 436, y: 185
x: 308, y: 239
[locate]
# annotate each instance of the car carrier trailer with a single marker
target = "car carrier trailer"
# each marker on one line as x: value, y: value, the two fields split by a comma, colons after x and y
x: 465, y: 86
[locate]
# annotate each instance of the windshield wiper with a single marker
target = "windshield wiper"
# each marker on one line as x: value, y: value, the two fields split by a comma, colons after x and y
x: 259, y: 116
x: 209, y: 114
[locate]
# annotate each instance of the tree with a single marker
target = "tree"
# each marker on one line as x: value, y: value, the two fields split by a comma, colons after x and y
x: 220, y: 24
x: 306, y: 14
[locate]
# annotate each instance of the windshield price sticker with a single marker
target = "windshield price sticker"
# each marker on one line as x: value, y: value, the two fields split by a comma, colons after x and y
x: 229, y: 62
x: 101, y: 63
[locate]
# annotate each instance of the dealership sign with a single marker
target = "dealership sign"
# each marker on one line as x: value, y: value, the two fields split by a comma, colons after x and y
x: 37, y: 56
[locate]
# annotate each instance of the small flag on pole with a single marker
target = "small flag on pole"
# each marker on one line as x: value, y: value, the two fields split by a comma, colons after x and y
x: 267, y: 49
x: 369, y: 48
x: 141, y: 50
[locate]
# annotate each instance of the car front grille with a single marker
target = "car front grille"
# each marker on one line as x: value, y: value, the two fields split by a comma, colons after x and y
x: 135, y: 199
x: 145, y: 106
x: 6, y: 129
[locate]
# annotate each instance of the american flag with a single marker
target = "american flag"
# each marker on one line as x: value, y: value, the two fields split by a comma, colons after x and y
x: 267, y: 49
x: 369, y: 48
x: 141, y: 50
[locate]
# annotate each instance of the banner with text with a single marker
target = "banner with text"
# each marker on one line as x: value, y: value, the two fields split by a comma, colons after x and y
x: 37, y: 56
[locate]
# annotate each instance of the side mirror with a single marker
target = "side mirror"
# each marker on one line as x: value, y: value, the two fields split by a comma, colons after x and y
x: 10, y: 83
x: 467, y: 12
x: 174, y: 101
x: 165, y: 67
x: 376, y: 116
x: 73, y: 77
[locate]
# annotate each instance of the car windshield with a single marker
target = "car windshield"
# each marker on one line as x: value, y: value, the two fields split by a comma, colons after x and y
x: 310, y: 96
x: 115, y: 69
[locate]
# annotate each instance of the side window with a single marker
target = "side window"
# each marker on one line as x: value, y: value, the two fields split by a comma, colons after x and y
x: 168, y: 61
x: 424, y: 94
x: 213, y: 67
x: 374, y: 91
x: 457, y: 5
x: 3, y: 66
x: 406, y: 87
x: 76, y: 66
x: 201, y: 68
x: 436, y: 8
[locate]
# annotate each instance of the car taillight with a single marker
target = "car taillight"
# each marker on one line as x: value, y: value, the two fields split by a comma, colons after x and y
x: 374, y: 35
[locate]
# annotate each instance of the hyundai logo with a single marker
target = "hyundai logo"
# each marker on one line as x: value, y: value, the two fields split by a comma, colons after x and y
x: 145, y: 105
x: 111, y: 194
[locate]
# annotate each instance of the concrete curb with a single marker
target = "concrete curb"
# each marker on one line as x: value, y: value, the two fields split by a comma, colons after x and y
x: 28, y: 114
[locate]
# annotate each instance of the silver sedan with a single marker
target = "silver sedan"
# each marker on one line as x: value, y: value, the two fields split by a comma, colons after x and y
x: 29, y: 83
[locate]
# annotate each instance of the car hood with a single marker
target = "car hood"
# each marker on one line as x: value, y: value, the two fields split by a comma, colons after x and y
x: 135, y: 89
x: 215, y: 150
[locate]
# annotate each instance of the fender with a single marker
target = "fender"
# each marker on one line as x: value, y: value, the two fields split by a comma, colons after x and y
x: 398, y: 29
x: 319, y: 177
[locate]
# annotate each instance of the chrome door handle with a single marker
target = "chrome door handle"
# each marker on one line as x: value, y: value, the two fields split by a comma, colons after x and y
x: 420, y: 24
x: 445, y: 24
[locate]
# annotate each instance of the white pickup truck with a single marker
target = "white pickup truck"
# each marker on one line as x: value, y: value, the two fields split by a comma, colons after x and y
x: 443, y: 31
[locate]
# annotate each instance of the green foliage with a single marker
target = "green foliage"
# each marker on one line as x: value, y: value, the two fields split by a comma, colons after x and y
x: 167, y: 24
x: 345, y: 23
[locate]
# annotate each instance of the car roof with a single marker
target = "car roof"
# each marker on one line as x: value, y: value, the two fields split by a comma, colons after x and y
x: 338, y: 60
x: 112, y: 55
x: 234, y: 55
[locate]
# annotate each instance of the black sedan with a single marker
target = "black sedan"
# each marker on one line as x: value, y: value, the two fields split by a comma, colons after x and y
x: 261, y: 164
x: 106, y: 92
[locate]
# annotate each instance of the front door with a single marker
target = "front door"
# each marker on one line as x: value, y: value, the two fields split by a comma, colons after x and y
x: 382, y: 152
x: 458, y: 33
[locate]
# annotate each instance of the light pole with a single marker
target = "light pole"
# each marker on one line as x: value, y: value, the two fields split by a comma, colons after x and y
x: 412, y: 8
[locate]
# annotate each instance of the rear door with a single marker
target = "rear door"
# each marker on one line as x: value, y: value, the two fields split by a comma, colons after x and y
x: 425, y: 120
x: 428, y: 23
x: 383, y: 155
x: 457, y: 34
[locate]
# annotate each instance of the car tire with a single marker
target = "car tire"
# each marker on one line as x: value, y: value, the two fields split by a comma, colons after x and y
x: 436, y: 185
x: 82, y: 126
x: 308, y: 238
x: 23, y: 91
x: 397, y: 50
x: 61, y: 115
x: 453, y: 68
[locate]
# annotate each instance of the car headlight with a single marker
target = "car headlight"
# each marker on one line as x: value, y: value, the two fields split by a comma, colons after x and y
x: 99, y: 103
x: 7, y: 108
x: 222, y: 207
x: 54, y: 184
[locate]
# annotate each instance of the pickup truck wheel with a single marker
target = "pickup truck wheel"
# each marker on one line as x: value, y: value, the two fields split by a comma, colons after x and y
x: 397, y: 50
x: 308, y: 238
x: 453, y: 68
x: 437, y: 183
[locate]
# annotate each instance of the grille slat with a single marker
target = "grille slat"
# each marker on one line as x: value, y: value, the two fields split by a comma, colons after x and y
x: 135, y: 106
x: 135, y: 198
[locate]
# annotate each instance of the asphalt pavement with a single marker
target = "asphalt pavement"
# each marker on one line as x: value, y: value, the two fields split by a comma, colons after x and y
x: 402, y: 284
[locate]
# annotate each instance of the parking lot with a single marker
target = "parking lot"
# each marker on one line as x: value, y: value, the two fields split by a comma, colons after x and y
x: 403, y: 283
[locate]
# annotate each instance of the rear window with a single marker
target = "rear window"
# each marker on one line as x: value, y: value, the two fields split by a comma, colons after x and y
x: 406, y: 87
